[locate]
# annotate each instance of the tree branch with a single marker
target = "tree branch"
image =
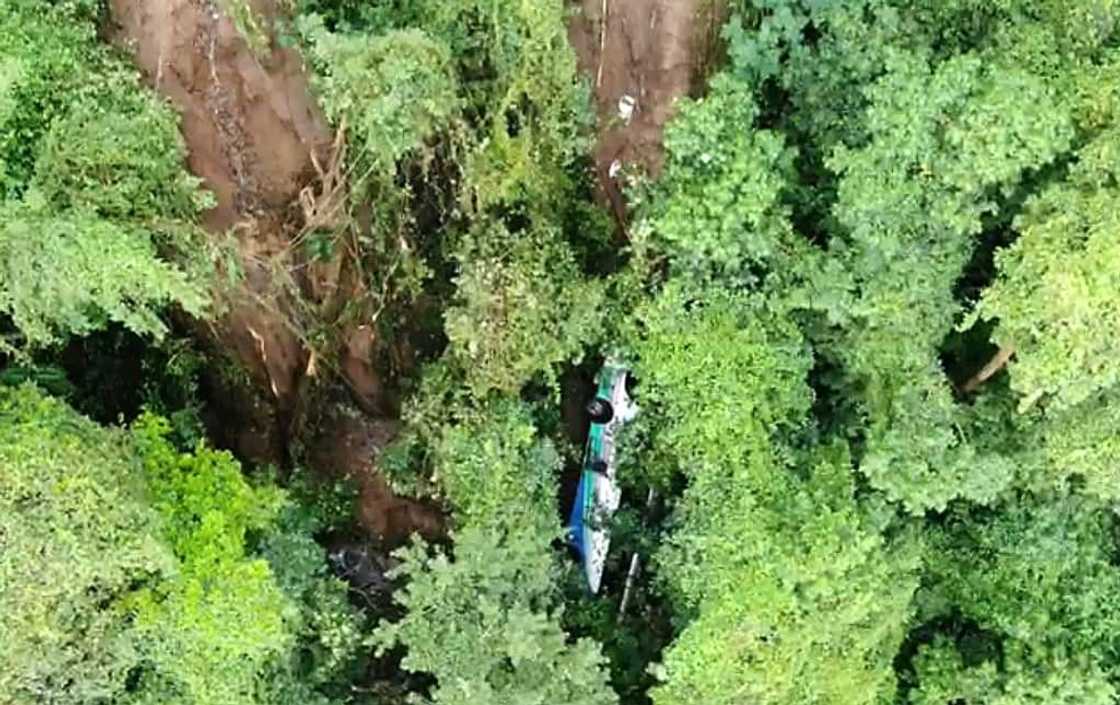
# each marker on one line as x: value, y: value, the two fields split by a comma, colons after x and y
x: 997, y: 363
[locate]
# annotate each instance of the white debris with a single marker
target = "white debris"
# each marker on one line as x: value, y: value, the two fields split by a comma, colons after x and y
x: 629, y: 411
x: 616, y: 166
x: 626, y: 106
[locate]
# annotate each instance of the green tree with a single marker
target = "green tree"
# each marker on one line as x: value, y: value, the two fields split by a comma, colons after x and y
x: 482, y: 617
x: 906, y: 153
x: 1055, y: 298
x: 785, y: 587
x: 130, y: 572
x: 480, y: 146
x: 98, y: 211
x: 496, y: 470
x: 1036, y: 589
x: 911, y: 203
x: 718, y: 210
x: 1081, y: 446
x: 77, y: 540
x: 72, y: 273
x: 521, y: 307
x: 484, y: 624
x: 210, y: 630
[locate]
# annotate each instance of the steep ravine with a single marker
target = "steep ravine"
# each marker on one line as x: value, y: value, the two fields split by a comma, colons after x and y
x: 646, y: 54
x: 260, y: 143
x: 256, y: 137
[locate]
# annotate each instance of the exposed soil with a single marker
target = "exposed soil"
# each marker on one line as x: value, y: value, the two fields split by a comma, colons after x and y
x: 654, y: 52
x: 348, y: 444
x: 262, y: 146
x: 250, y: 127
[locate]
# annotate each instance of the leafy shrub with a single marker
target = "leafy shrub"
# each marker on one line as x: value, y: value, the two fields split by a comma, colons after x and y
x: 77, y: 539
x: 488, y: 126
x: 95, y: 191
x: 718, y: 208
x: 71, y: 272
x: 797, y: 596
x: 482, y: 624
x: 945, y: 676
x: 129, y: 574
x: 523, y: 92
x: 46, y: 56
x: 719, y: 371
x: 1055, y: 297
x: 481, y: 617
x: 943, y: 141
x: 785, y: 590
x: 361, y: 16
x: 117, y: 152
x: 495, y: 470
x: 1082, y: 446
x: 1037, y: 581
x: 394, y: 92
x: 522, y: 306
x: 226, y: 628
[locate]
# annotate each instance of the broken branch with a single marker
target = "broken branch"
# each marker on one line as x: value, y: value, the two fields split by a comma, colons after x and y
x: 997, y: 363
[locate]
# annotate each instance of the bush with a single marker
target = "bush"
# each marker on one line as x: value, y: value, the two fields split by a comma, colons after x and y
x: 98, y: 211
x: 78, y: 540
x: 482, y: 624
x: 521, y: 307
x: 129, y: 573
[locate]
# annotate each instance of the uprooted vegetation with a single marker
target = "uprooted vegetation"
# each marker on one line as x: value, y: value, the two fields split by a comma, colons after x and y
x: 860, y: 255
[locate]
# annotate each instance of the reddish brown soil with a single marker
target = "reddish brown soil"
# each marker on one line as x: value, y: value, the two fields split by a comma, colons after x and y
x: 250, y: 128
x: 651, y: 50
x: 347, y: 447
x: 261, y: 145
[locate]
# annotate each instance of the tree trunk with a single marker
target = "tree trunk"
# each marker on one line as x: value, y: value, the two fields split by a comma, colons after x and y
x: 998, y: 362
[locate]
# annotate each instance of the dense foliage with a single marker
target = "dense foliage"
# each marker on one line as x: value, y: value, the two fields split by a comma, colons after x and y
x: 485, y: 620
x: 1037, y: 582
x: 97, y: 211
x: 870, y: 303
x: 467, y: 122
x: 76, y: 537
x: 902, y: 148
x: 131, y: 572
x: 792, y: 593
x: 483, y: 625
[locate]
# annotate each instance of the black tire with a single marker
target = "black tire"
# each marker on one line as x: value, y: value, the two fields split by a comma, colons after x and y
x: 600, y: 410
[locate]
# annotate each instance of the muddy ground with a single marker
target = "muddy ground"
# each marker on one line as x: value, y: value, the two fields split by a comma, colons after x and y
x: 649, y: 53
x: 256, y: 137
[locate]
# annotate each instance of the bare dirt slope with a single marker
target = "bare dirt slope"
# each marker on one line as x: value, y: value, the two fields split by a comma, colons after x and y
x: 250, y: 128
x: 257, y: 139
x: 650, y: 50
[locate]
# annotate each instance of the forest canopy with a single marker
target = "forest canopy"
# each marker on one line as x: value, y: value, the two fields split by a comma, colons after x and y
x: 321, y: 447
